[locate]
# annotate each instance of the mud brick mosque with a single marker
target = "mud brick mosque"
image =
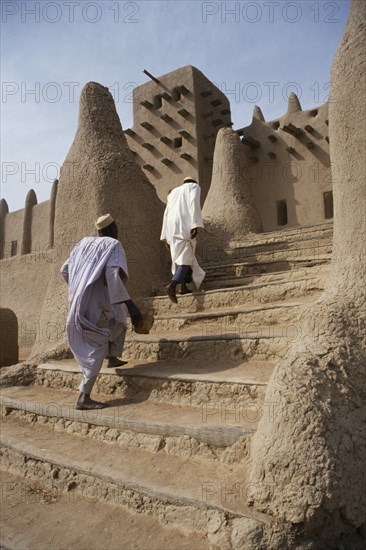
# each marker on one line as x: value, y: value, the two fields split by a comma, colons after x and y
x: 176, y: 121
x: 272, y: 350
x: 283, y: 173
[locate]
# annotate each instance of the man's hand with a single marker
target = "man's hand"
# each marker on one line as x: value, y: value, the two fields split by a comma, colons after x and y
x: 194, y: 232
x: 134, y: 312
x: 167, y: 246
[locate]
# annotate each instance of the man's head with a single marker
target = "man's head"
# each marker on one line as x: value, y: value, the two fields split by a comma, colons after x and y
x: 189, y: 180
x: 106, y: 226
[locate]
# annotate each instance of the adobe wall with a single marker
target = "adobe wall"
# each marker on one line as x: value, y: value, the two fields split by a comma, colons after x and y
x: 40, y: 226
x: 288, y: 159
x: 309, y: 463
x: 23, y: 288
x: 31, y: 227
x: 24, y: 275
x: 13, y: 232
x: 183, y: 105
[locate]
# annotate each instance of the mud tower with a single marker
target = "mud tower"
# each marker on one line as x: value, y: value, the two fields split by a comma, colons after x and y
x: 100, y: 175
x: 176, y: 118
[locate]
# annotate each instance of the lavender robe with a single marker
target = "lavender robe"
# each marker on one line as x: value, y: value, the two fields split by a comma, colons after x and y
x: 95, y: 288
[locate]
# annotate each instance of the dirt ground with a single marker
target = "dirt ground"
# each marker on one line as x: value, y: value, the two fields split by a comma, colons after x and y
x: 35, y: 518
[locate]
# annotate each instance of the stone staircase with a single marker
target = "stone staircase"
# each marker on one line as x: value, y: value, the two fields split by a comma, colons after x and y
x: 274, y: 252
x: 174, y: 442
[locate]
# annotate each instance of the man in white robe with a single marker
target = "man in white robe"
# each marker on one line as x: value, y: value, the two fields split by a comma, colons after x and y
x: 182, y: 218
x: 96, y: 272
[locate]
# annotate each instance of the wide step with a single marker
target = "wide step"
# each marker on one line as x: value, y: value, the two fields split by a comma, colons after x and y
x: 187, y: 383
x: 123, y: 419
x: 240, y: 270
x: 180, y: 491
x: 244, y: 341
x: 273, y: 241
x: 254, y: 289
x: 224, y: 318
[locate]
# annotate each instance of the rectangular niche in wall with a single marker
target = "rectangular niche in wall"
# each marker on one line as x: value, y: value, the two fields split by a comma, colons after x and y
x: 14, y: 248
x: 281, y: 212
x: 328, y: 205
x: 177, y: 143
x: 176, y: 94
x: 157, y: 102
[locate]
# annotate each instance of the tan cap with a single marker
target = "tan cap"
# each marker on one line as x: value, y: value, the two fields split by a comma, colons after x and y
x: 104, y: 221
x: 189, y: 179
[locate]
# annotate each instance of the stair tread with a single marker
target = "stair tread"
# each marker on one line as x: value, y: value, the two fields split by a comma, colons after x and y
x: 283, y: 240
x: 139, y: 416
x: 314, y: 258
x: 231, y: 282
x: 159, y: 475
x: 220, y: 371
x: 241, y: 254
x: 256, y: 281
x: 288, y: 244
x: 234, y: 310
x: 301, y: 231
x: 196, y: 334
x: 318, y: 260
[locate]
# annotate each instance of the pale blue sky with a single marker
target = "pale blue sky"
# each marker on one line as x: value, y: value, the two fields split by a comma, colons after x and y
x: 55, y: 47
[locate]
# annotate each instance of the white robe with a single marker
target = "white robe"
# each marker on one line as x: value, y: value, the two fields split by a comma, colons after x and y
x: 183, y: 213
x: 95, y: 288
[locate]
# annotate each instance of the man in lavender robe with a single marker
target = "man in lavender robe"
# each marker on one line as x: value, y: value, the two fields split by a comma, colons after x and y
x: 96, y: 272
x: 182, y: 218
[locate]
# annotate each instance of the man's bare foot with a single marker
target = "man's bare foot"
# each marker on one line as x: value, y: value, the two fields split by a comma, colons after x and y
x: 170, y: 289
x: 114, y: 362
